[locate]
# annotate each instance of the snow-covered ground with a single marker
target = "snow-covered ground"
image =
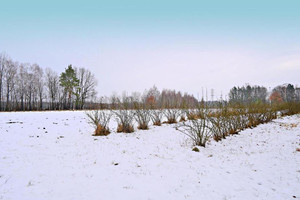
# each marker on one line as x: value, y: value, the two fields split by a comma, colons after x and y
x: 52, y: 155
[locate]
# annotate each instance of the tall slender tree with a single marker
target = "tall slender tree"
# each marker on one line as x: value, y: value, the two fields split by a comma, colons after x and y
x: 52, y: 85
x: 290, y: 93
x: 69, y: 82
x: 21, y: 84
x: 2, y: 74
x: 39, y: 81
x: 86, y: 86
x: 11, y: 71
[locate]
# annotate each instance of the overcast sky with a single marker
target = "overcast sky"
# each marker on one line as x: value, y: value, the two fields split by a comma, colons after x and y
x: 182, y: 45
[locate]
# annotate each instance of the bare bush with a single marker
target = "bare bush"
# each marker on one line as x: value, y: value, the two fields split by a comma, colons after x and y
x: 219, y: 122
x: 125, y: 120
x: 198, y: 130
x: 171, y: 115
x: 258, y: 113
x: 234, y: 124
x: 124, y: 115
x: 191, y: 115
x: 156, y: 117
x: 100, y: 120
x: 219, y: 127
x: 266, y: 113
x: 142, y: 116
x: 182, y: 115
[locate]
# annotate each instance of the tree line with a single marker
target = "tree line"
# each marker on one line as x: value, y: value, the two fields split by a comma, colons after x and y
x: 250, y: 94
x: 150, y: 99
x: 25, y: 86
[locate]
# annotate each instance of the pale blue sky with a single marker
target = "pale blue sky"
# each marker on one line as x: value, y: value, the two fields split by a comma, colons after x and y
x: 185, y: 45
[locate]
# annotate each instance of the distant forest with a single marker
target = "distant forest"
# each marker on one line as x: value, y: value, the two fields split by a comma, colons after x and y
x: 27, y: 87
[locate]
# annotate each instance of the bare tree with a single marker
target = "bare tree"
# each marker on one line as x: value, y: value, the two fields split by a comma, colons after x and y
x: 113, y: 101
x: 39, y: 82
x: 86, y: 87
x: 62, y: 97
x: 31, y: 87
x: 21, y: 84
x: 152, y: 97
x: 11, y: 71
x: 52, y: 85
x: 2, y: 75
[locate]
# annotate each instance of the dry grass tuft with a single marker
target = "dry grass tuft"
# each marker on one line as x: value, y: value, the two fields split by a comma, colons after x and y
x: 101, y: 131
x: 127, y: 129
x: 171, y: 121
x: 217, y: 138
x: 182, y: 119
x: 143, y: 127
x: 294, y: 125
x: 157, y: 123
x: 192, y: 116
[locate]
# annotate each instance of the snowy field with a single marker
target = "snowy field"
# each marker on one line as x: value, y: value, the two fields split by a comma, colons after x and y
x: 52, y: 155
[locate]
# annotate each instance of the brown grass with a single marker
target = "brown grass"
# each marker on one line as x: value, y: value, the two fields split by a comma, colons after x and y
x: 122, y: 129
x: 101, y: 131
x: 157, y: 123
x: 143, y: 127
x: 171, y: 121
x: 182, y: 119
x: 217, y: 138
x: 293, y: 125
x: 233, y: 132
x: 192, y: 116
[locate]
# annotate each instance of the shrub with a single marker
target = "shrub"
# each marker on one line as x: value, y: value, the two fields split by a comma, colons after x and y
x: 156, y: 117
x: 293, y: 108
x: 234, y: 124
x: 219, y: 127
x: 198, y: 130
x: 191, y: 115
x: 100, y: 120
x: 220, y: 122
x: 182, y: 115
x: 142, y: 116
x: 266, y: 114
x: 171, y: 115
x: 124, y: 118
x: 124, y: 115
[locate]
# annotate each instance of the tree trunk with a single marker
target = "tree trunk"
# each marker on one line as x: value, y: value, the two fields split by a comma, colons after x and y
x: 7, y: 99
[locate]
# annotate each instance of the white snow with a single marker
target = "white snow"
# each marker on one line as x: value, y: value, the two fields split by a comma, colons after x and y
x: 52, y: 155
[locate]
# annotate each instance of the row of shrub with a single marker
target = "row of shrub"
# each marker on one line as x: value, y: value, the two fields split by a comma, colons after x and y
x: 199, y: 124
x: 230, y: 119
x: 127, y: 117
